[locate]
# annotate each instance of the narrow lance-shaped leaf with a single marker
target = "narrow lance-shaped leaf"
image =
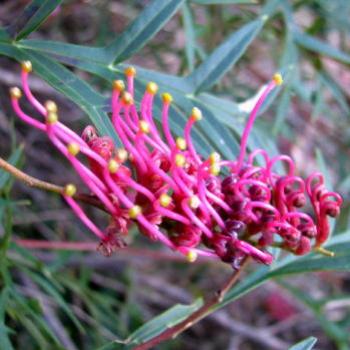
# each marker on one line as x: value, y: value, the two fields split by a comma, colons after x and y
x: 13, y: 159
x: 69, y: 53
x: 145, y: 26
x: 168, y: 319
x: 224, y: 2
x: 5, y: 342
x: 189, y: 35
x: 313, y: 44
x: 31, y: 18
x: 306, y: 344
x: 224, y: 57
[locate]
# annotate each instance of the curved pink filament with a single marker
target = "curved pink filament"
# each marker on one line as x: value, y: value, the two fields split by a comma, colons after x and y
x: 26, y: 118
x: 35, y: 103
x: 165, y: 124
x: 251, y: 120
x: 83, y: 217
x: 194, y: 218
x: 190, y: 146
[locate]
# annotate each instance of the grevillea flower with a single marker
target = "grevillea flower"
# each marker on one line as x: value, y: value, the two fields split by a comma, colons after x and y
x: 178, y: 197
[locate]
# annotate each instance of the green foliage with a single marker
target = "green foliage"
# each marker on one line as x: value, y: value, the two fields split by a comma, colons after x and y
x: 306, y: 344
x: 58, y: 63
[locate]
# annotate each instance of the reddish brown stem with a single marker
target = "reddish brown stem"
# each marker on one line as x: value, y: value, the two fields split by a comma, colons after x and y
x: 198, y: 315
x: 47, y: 186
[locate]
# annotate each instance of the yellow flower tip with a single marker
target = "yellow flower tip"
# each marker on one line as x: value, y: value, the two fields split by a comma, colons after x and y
x: 144, y: 126
x: 180, y: 160
x: 127, y: 98
x: 70, y: 190
x: 52, y: 118
x: 27, y: 66
x: 51, y: 107
x: 196, y: 114
x: 324, y: 251
x: 167, y: 98
x: 194, y: 202
x: 152, y: 88
x: 181, y: 143
x: 277, y: 78
x: 165, y: 200
x: 118, y: 85
x: 191, y: 256
x: 73, y: 148
x: 135, y: 211
x: 113, y: 166
x: 214, y: 158
x: 130, y: 71
x: 122, y: 154
x: 15, y: 93
x: 215, y: 169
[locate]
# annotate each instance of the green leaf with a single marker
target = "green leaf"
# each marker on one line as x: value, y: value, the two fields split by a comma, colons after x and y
x: 145, y: 26
x: 68, y: 52
x: 68, y: 83
x: 14, y: 160
x: 282, y: 110
x: 224, y: 2
x: 49, y: 289
x: 332, y: 329
x: 306, y: 344
x: 5, y: 342
x: 33, y: 15
x: 340, y: 244
x: 313, y: 44
x: 189, y: 35
x: 336, y: 91
x: 224, y: 57
x: 166, y: 320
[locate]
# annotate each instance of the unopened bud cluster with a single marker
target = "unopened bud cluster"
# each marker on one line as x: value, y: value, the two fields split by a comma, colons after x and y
x: 178, y: 197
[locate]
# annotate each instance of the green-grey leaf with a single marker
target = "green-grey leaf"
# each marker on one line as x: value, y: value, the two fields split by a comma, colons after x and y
x: 224, y: 2
x: 159, y: 324
x: 189, y: 35
x: 140, y: 31
x: 224, y: 56
x: 306, y: 344
x: 13, y: 159
x: 313, y: 44
x: 65, y: 51
x: 5, y: 342
x: 33, y: 15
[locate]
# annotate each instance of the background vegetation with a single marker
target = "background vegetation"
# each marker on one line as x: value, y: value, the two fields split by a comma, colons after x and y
x: 207, y: 53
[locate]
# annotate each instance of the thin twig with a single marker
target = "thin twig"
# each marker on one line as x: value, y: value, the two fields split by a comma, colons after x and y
x: 46, y: 186
x: 198, y: 315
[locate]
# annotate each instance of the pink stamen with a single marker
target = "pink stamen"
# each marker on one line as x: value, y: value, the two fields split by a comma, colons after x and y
x: 251, y: 120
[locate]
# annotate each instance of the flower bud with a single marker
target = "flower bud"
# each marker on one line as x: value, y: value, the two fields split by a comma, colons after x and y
x: 130, y: 71
x: 51, y: 106
x: 118, y: 85
x: 73, y: 148
x: 15, y: 93
x: 191, y: 256
x: 135, y: 211
x: 196, y: 114
x: 27, y: 66
x: 70, y: 190
x: 165, y: 200
x: 152, y: 88
x: 167, y: 98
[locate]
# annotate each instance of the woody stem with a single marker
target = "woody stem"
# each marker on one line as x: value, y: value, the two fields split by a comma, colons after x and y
x: 198, y: 315
x: 46, y: 186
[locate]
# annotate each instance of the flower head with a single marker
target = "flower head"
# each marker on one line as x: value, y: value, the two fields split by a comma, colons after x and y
x: 179, y: 197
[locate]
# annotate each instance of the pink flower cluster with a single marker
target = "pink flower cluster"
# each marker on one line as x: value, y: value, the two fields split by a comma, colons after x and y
x: 177, y: 196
